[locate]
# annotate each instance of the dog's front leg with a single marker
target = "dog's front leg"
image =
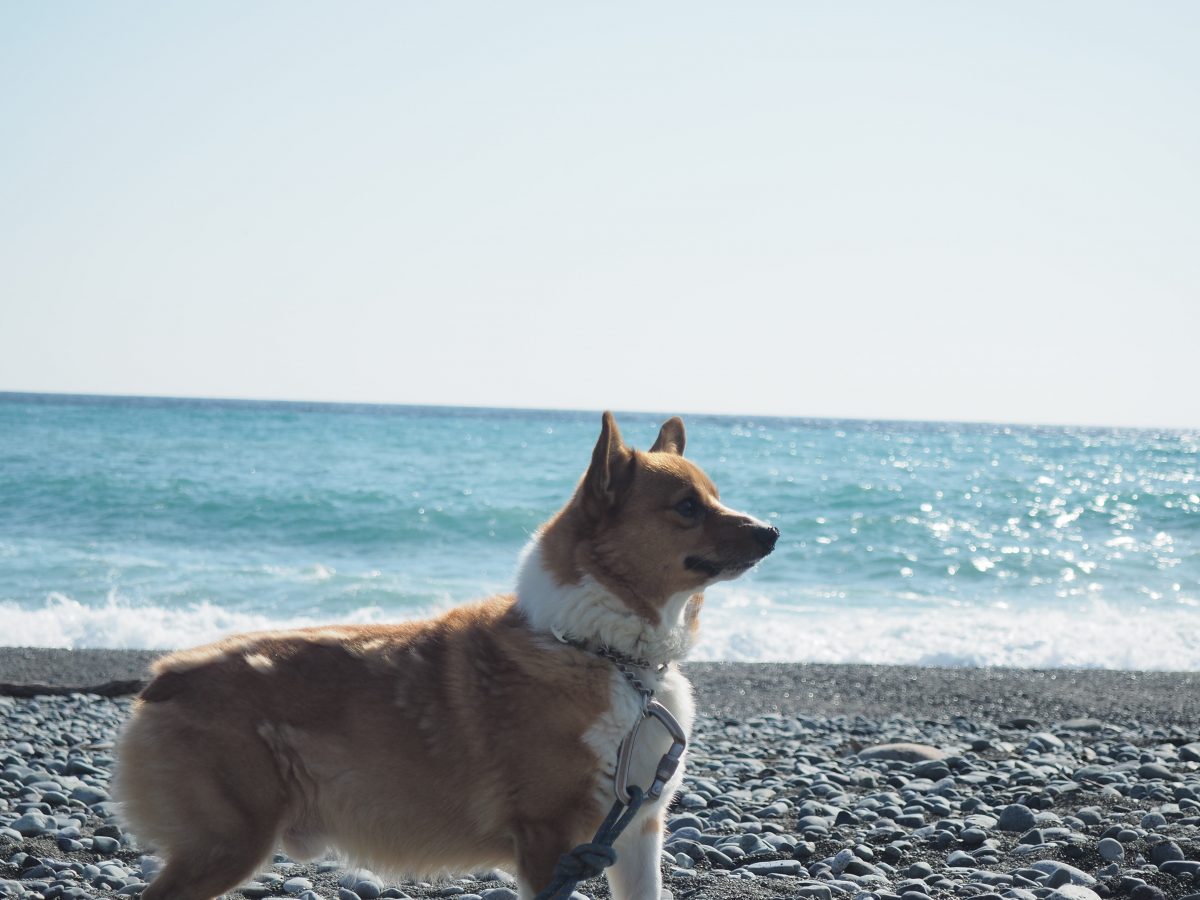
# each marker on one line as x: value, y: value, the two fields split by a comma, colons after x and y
x: 636, y: 875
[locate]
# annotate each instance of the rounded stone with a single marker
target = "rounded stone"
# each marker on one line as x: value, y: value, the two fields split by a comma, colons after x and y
x: 1016, y: 817
x: 1166, y: 852
x: 814, y: 891
x: 1052, y: 867
x: 685, y: 821
x: 842, y: 859
x: 1073, y: 892
x: 32, y: 824
x: 1090, y: 815
x: 1111, y: 850
x: 904, y: 752
x: 1152, y: 771
x: 1058, y: 878
x: 777, y: 867
x: 105, y: 845
x: 1151, y: 821
x: 89, y: 795
x: 1044, y: 741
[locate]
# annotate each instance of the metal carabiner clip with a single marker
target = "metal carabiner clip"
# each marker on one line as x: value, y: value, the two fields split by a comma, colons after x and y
x: 667, y: 766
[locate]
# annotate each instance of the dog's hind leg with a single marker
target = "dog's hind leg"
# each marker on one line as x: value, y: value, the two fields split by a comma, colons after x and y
x: 217, y: 847
x: 210, y: 801
x: 205, y: 874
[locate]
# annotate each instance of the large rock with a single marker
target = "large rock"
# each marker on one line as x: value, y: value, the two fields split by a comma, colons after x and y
x: 902, y: 751
x: 1080, y: 725
x: 32, y: 824
x: 1078, y: 876
x: 1073, y: 892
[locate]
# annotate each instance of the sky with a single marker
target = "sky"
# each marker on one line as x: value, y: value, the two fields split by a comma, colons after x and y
x: 926, y: 210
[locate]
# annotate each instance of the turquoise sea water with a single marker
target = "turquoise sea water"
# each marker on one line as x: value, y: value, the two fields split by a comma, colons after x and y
x: 154, y: 523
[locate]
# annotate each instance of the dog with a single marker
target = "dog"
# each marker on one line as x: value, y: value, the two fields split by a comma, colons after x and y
x: 485, y: 737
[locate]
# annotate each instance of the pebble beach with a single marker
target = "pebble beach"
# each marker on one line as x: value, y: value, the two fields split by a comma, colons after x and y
x: 826, y: 782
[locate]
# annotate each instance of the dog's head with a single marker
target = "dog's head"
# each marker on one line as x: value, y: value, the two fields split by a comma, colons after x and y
x: 650, y: 526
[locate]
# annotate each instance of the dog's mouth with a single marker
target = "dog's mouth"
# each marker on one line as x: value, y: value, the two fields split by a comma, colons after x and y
x: 716, y: 569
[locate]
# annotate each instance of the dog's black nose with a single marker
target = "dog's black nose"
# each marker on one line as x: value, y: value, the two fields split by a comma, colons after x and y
x: 766, y: 536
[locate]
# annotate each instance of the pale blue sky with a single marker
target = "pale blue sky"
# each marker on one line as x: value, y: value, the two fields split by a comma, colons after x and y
x: 901, y: 210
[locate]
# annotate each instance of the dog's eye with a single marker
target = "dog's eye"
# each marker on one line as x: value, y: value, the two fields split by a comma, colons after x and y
x: 688, y: 508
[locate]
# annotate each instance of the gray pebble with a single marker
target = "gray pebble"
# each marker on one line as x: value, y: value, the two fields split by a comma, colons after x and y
x: 1166, y: 851
x: 1181, y: 867
x: 88, y: 795
x: 32, y: 824
x: 1080, y: 725
x: 105, y: 845
x: 1090, y: 815
x: 1044, y: 741
x: 1155, y: 771
x: 1111, y: 850
x: 1016, y: 817
x: 843, y: 858
x: 776, y: 867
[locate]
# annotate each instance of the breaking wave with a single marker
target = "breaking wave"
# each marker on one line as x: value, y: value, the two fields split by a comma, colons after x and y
x: 735, y: 626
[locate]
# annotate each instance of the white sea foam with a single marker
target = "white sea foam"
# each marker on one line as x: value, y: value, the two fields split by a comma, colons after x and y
x: 64, y: 622
x: 735, y: 625
x: 1094, y: 634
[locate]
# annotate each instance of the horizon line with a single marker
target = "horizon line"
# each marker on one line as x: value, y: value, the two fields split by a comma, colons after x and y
x: 6, y: 395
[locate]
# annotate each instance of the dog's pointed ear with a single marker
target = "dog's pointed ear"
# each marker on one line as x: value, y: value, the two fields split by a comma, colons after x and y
x: 671, y: 438
x: 611, y: 462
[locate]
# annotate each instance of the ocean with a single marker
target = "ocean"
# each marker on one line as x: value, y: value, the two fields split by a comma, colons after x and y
x: 157, y: 523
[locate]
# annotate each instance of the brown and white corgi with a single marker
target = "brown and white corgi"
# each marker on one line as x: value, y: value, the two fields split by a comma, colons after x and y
x: 485, y: 737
